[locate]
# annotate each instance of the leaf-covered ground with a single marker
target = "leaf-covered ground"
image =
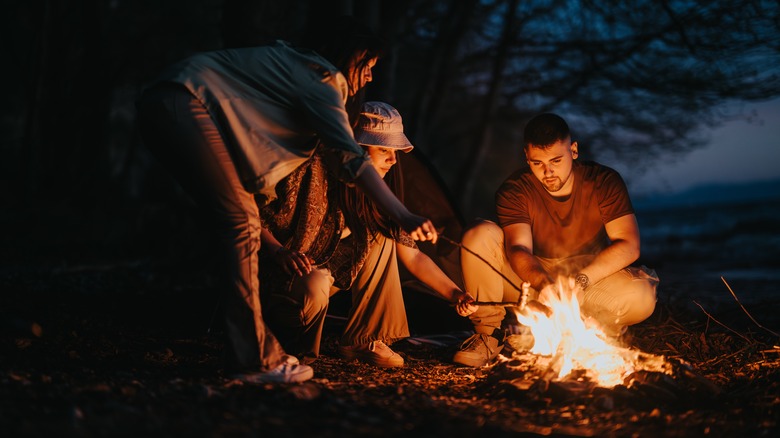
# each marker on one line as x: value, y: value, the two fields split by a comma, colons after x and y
x: 98, y: 345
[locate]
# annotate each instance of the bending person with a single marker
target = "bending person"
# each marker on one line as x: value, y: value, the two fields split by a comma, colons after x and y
x: 335, y: 239
x: 230, y: 124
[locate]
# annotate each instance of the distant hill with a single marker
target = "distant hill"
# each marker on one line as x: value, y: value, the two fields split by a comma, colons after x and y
x: 712, y: 194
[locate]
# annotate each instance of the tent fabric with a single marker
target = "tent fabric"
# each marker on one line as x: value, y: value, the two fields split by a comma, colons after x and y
x: 424, y: 193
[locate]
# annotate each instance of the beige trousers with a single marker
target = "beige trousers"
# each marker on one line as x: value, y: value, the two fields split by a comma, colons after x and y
x: 624, y: 298
x: 179, y: 131
x: 297, y: 315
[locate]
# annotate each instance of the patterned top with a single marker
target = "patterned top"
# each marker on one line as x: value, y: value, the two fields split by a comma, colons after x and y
x: 303, y: 220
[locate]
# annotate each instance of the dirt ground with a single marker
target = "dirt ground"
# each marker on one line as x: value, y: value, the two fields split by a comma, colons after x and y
x: 95, y: 344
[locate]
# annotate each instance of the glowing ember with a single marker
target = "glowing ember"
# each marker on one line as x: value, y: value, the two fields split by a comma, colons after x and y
x: 575, y: 343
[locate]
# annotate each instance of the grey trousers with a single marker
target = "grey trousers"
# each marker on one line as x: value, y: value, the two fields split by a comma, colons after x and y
x: 297, y: 315
x: 181, y: 134
x: 624, y: 298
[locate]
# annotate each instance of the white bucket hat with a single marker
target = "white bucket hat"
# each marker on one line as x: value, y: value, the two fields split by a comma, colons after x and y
x: 379, y: 124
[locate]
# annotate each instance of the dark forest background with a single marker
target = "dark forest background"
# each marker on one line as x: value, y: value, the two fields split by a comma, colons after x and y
x: 638, y: 81
x: 108, y: 298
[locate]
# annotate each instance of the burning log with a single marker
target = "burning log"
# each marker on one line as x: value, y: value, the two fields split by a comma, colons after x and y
x: 569, y: 389
x: 556, y: 365
x: 534, y: 378
x: 560, y: 357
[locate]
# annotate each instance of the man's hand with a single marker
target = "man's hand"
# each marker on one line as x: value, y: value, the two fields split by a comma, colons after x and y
x: 549, y: 294
x: 578, y: 284
x: 535, y: 306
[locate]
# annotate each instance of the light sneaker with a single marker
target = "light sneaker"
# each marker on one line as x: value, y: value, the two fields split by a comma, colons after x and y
x: 376, y: 353
x: 289, y: 371
x: 477, y: 350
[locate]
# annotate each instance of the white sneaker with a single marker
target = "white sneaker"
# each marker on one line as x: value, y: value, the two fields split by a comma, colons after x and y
x: 288, y: 371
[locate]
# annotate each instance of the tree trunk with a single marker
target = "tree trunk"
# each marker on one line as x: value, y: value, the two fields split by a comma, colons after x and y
x: 440, y: 73
x: 90, y: 165
x: 32, y: 144
x: 466, y: 177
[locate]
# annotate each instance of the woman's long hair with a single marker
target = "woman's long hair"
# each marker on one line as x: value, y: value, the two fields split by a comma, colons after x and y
x: 338, y: 40
x: 360, y: 213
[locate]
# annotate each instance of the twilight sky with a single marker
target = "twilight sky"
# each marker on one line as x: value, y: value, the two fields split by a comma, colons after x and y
x: 739, y: 151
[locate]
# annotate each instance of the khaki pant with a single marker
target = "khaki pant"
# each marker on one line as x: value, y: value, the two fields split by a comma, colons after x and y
x: 624, y: 298
x: 181, y: 134
x: 377, y: 313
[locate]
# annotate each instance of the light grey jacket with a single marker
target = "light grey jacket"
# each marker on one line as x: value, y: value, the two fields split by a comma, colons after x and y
x: 271, y: 103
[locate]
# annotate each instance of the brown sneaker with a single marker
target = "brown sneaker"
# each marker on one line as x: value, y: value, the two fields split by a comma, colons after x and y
x: 376, y: 353
x: 477, y: 350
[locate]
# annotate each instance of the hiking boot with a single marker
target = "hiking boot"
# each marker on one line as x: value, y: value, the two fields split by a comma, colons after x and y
x: 289, y: 371
x: 478, y: 350
x: 376, y: 353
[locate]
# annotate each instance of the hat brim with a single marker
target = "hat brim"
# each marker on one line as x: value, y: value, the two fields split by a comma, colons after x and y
x: 389, y: 140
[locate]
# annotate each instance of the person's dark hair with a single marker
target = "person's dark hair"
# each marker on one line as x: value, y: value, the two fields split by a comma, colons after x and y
x: 338, y: 40
x: 544, y: 130
x: 362, y: 216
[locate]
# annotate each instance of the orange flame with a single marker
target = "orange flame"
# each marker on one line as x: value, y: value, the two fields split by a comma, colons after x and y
x: 576, y: 343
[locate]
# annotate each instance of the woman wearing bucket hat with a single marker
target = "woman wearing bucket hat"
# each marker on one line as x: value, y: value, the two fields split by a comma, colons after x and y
x: 229, y: 124
x: 336, y: 239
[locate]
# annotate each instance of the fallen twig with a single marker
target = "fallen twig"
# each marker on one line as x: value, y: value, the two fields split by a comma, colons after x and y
x: 745, y: 310
x: 721, y: 324
x: 721, y: 358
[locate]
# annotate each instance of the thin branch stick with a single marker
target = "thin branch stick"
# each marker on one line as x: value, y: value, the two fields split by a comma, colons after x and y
x: 745, y: 310
x: 718, y: 359
x: 723, y: 325
x: 496, y: 303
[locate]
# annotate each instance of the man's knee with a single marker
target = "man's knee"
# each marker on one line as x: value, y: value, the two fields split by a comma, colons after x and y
x: 482, y: 231
x: 621, y: 299
x: 643, y: 304
x: 484, y: 264
x: 639, y: 303
x: 486, y: 239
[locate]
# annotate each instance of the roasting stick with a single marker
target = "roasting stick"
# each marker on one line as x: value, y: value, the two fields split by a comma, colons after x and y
x: 498, y: 303
x: 523, y: 300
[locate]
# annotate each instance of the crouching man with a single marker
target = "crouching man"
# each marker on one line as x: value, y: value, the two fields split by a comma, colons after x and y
x: 559, y: 220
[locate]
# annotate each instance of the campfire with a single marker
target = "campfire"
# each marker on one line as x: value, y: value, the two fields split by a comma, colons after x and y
x: 559, y: 345
x: 561, y: 356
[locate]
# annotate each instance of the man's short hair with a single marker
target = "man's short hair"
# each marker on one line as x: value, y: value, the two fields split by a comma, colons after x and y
x: 544, y: 130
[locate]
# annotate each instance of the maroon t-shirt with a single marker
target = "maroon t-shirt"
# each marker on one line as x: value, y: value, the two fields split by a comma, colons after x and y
x: 569, y: 226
